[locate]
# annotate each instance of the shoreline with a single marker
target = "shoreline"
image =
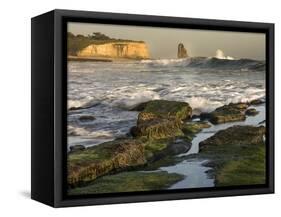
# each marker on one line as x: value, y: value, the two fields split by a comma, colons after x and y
x: 189, y: 169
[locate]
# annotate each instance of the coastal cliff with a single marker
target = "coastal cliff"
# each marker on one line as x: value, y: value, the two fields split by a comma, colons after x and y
x: 98, y: 46
x: 132, y: 50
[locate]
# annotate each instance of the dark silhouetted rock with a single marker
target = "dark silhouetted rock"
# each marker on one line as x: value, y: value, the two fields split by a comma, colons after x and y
x: 76, y: 148
x: 85, y: 118
x: 256, y: 102
x: 251, y: 112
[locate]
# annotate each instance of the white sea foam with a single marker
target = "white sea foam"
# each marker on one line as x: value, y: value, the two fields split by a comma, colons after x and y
x: 203, y: 104
x: 112, y: 89
x: 80, y: 131
x: 165, y: 62
x: 77, y: 131
x: 127, y: 100
x: 220, y: 55
x: 88, y: 101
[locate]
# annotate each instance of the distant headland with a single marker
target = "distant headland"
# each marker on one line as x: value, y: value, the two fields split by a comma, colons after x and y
x: 100, y: 47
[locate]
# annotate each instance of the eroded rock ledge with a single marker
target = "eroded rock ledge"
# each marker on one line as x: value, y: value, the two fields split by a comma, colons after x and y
x: 163, y: 131
x: 88, y: 164
x: 237, y: 155
x: 161, y: 119
x: 160, y: 132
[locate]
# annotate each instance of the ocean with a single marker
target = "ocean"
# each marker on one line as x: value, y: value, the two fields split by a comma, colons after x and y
x: 108, y: 90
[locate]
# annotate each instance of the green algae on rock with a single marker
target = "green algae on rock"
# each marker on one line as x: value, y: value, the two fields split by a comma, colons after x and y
x: 237, y: 155
x: 161, y: 119
x: 191, y: 128
x: 86, y: 165
x: 158, y: 149
x: 169, y: 109
x: 129, y: 182
x: 228, y: 113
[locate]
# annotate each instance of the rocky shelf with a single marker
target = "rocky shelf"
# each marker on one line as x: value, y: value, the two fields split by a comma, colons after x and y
x: 164, y: 130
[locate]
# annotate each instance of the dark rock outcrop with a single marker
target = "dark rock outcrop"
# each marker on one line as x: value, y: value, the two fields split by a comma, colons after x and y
x: 76, y: 148
x: 86, y: 118
x: 251, y: 112
x: 256, y: 102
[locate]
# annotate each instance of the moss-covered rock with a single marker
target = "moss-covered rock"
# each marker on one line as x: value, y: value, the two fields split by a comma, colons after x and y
x: 159, y: 149
x: 228, y: 113
x: 194, y: 127
x: 251, y: 112
x: 237, y: 155
x: 161, y: 119
x: 166, y: 109
x: 86, y: 165
x: 236, y: 135
x: 156, y: 128
x: 169, y: 109
x: 247, y: 171
x: 129, y: 182
x: 153, y: 147
x: 140, y: 107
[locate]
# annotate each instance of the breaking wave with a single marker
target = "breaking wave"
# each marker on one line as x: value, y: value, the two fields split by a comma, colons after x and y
x: 108, y: 91
x: 218, y: 62
x: 220, y: 55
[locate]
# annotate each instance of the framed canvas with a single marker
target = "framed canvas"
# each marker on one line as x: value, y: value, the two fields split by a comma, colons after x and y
x: 134, y: 108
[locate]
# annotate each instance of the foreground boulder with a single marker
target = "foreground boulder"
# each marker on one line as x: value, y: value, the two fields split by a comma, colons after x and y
x: 86, y: 165
x: 237, y: 155
x: 161, y: 119
x: 227, y: 113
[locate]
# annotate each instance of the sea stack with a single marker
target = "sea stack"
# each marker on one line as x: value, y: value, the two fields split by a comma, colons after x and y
x: 182, y: 53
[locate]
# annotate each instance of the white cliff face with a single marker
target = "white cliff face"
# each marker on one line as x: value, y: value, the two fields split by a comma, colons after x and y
x: 134, y: 50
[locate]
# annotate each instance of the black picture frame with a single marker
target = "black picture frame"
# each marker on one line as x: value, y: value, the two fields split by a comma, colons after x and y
x: 49, y: 109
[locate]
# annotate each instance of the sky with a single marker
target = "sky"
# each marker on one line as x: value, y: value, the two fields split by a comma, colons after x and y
x: 163, y: 42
